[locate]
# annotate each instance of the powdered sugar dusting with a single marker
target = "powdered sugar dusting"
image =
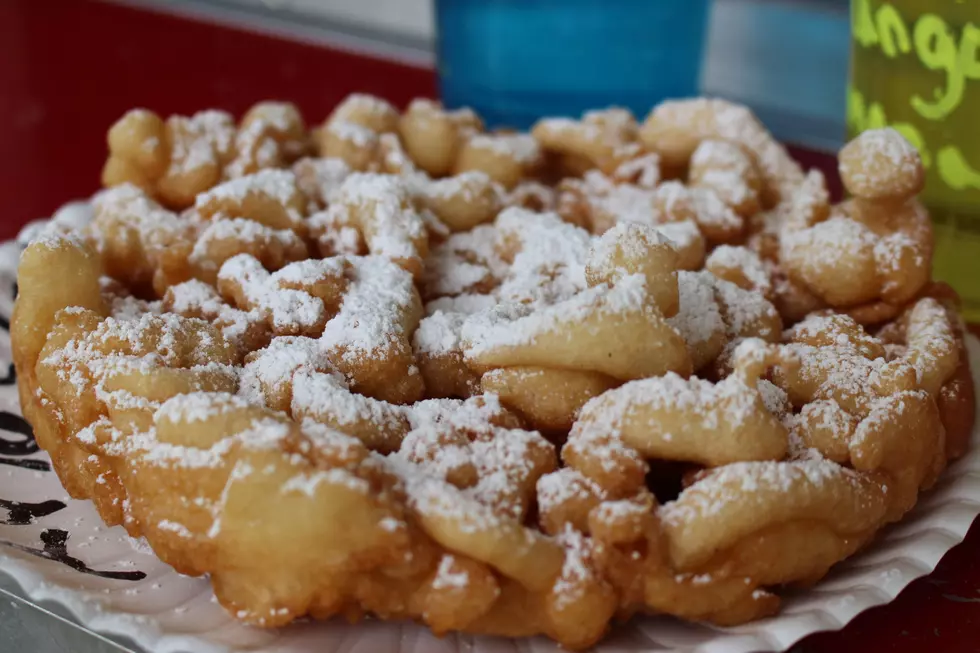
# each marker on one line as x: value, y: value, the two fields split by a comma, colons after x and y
x: 381, y: 205
x: 448, y: 576
x: 742, y: 259
x: 508, y: 325
x: 380, y: 294
x: 439, y: 333
x: 279, y: 185
x: 285, y: 308
x: 698, y: 319
x: 563, y: 486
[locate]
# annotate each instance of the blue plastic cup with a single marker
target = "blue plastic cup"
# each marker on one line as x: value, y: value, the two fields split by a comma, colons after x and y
x: 515, y: 61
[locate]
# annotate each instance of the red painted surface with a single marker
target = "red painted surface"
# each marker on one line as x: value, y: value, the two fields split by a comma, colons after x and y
x: 68, y: 68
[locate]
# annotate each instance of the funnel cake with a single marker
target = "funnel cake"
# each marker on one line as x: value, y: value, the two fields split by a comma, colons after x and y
x: 499, y: 383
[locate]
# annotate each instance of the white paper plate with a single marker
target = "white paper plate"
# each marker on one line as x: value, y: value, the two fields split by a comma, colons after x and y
x: 165, y: 612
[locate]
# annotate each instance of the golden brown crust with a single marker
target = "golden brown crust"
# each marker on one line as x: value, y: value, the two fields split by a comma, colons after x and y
x: 257, y: 413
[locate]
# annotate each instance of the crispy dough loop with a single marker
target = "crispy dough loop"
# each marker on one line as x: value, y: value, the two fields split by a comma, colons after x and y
x: 506, y: 158
x: 875, y: 410
x: 175, y: 160
x: 883, y: 245
x: 630, y: 298
x: 675, y: 128
x: 736, y: 501
x: 433, y: 136
x: 382, y: 210
x: 601, y: 139
x: 881, y: 165
x: 676, y: 419
x: 469, y: 528
x: 730, y: 172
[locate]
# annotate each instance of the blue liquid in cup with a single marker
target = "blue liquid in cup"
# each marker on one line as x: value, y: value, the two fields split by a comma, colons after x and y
x: 515, y: 61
